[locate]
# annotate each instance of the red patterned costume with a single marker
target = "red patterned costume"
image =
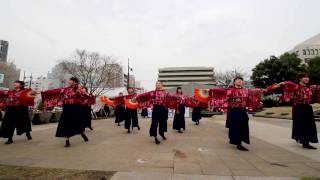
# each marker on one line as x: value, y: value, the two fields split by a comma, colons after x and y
x: 303, y: 128
x: 17, y: 112
x: 73, y: 119
x: 179, y: 118
x: 160, y: 100
x: 67, y: 95
x: 236, y: 101
x: 224, y: 98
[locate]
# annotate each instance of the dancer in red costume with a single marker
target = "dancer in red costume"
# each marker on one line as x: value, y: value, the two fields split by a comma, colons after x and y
x: 16, y: 116
x: 304, y: 129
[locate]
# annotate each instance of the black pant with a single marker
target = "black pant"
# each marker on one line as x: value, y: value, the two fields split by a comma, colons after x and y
x: 304, y: 128
x: 71, y: 122
x: 16, y: 117
x: 159, y: 115
x: 238, y: 123
x: 131, y: 118
x: 179, y: 121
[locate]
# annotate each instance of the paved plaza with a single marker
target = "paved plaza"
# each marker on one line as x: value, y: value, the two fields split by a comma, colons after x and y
x: 201, y: 153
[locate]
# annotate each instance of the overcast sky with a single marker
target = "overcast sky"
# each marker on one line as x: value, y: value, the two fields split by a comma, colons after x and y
x: 156, y: 33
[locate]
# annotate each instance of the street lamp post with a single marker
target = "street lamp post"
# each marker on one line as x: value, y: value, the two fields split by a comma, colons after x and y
x: 128, y: 77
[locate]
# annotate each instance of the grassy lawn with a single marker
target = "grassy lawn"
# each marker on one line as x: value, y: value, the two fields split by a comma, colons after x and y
x: 24, y: 173
x: 284, y: 112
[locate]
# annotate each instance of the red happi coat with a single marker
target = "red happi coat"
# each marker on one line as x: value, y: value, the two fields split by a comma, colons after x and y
x: 88, y: 100
x: 187, y: 101
x: 158, y: 97
x: 67, y: 95
x: 16, y: 98
x: 224, y: 98
x: 300, y: 94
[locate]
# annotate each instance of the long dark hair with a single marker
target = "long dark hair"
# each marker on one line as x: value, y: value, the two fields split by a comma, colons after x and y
x: 178, y: 88
x: 21, y: 84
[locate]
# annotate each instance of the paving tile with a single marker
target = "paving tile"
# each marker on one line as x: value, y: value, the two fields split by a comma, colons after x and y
x: 141, y: 176
x: 186, y: 168
x: 200, y: 177
x: 201, y: 152
x: 264, y: 178
x: 247, y: 173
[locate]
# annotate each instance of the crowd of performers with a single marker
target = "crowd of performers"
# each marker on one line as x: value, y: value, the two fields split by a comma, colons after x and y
x: 75, y: 117
x: 236, y: 101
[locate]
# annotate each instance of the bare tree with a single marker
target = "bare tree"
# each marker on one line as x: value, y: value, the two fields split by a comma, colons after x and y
x: 96, y: 72
x: 224, y: 79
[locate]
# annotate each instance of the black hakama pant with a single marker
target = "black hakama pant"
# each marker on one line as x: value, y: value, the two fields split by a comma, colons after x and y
x: 86, y: 110
x: 131, y: 118
x: 179, y: 121
x: 159, y: 119
x: 303, y: 124
x: 238, y: 123
x: 16, y: 117
x: 227, y: 120
x: 144, y: 112
x: 196, y: 114
x: 71, y: 121
x: 120, y: 113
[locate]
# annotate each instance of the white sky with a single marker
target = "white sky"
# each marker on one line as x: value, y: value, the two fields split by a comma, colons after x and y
x: 156, y: 33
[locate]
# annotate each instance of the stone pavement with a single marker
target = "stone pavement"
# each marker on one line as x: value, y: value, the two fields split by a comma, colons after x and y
x: 202, y: 152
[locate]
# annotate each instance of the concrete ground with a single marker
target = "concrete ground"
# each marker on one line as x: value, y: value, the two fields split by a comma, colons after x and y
x: 202, y: 152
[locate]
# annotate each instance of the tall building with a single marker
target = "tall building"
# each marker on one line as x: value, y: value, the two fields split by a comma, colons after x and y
x: 308, y: 49
x: 178, y: 76
x: 4, y: 45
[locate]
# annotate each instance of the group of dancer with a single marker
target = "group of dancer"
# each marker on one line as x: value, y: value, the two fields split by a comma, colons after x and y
x: 75, y: 117
x: 236, y: 101
x: 160, y: 101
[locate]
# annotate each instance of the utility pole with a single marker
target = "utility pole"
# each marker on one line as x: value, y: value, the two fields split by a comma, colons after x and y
x: 30, y: 81
x: 128, y: 75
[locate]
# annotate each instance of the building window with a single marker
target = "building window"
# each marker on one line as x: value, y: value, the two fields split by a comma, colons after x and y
x: 308, y: 52
x: 304, y: 52
x: 316, y: 52
x: 312, y: 52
